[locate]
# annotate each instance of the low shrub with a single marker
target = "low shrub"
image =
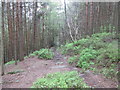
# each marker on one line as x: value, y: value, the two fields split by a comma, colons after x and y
x: 110, y: 72
x: 61, y: 80
x: 32, y: 55
x: 73, y: 59
x: 11, y: 62
x: 45, y: 54
x: 98, y: 51
x: 108, y: 55
x: 36, y: 52
x: 26, y: 57
x: 85, y: 58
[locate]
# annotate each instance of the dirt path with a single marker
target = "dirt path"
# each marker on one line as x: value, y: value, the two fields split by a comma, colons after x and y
x: 35, y: 68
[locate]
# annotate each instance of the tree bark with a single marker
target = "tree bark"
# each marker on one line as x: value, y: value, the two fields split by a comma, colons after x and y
x: 17, y: 28
x: 21, y: 36
x: 35, y: 27
x: 2, y: 41
x: 9, y: 30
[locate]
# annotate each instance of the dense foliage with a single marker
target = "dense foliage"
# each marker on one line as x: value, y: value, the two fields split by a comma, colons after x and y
x: 60, y: 80
x: 28, y: 28
x: 43, y: 54
x: 11, y: 62
x: 98, y: 53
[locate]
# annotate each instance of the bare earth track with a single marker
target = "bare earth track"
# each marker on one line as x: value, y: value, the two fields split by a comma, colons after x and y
x: 35, y: 68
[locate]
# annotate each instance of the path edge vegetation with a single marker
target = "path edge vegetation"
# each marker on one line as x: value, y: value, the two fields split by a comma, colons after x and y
x: 22, y: 37
x: 98, y: 53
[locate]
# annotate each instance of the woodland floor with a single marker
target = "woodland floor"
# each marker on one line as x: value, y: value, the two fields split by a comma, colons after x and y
x: 35, y: 68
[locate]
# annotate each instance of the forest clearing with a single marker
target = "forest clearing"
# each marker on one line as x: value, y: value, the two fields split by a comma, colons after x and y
x: 59, y: 44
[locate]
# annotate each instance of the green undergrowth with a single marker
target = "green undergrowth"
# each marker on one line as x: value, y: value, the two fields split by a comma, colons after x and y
x: 98, y: 53
x: 60, y: 80
x: 42, y: 54
x: 11, y: 62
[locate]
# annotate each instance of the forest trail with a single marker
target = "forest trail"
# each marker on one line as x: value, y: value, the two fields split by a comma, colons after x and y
x: 34, y: 68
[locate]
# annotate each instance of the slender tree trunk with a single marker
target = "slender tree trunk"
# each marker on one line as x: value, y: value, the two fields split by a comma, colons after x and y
x: 86, y: 31
x: 2, y: 41
x: 14, y: 32
x: 91, y: 18
x: 17, y: 28
x: 66, y: 25
x: 25, y: 31
x: 9, y: 30
x: 21, y: 36
x: 117, y: 24
x: 35, y: 27
x: 43, y: 30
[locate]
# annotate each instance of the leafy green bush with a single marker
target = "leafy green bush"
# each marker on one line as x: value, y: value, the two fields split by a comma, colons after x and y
x: 109, y: 72
x: 83, y: 41
x: 98, y: 51
x: 109, y: 54
x: 73, y: 59
x: 85, y: 58
x: 60, y: 80
x: 26, y: 57
x: 36, y: 52
x: 90, y: 48
x: 107, y: 59
x: 96, y: 41
x: 101, y: 35
x: 67, y: 48
x: 11, y: 62
x: 32, y: 55
x: 75, y: 47
x: 45, y: 54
